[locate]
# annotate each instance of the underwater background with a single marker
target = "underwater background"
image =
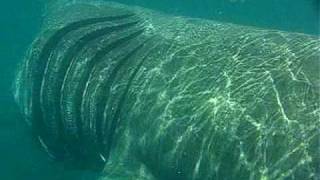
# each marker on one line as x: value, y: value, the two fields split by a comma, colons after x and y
x: 20, y: 20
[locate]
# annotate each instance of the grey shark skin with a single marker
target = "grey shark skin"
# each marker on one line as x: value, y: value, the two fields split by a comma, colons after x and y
x: 143, y: 95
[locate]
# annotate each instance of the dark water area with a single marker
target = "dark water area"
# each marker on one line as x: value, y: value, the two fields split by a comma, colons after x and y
x: 20, y: 20
x: 288, y: 15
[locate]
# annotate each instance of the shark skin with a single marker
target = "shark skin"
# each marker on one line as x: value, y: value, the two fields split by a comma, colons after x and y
x: 137, y: 94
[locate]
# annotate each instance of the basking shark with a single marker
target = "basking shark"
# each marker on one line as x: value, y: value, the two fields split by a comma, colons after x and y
x: 137, y: 94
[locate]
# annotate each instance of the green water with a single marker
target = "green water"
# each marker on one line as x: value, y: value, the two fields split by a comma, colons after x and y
x: 20, y: 21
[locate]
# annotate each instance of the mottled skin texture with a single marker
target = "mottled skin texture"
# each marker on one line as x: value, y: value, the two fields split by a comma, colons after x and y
x: 160, y: 97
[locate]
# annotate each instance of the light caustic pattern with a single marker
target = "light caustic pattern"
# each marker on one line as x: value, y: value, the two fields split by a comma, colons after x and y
x: 146, y: 95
